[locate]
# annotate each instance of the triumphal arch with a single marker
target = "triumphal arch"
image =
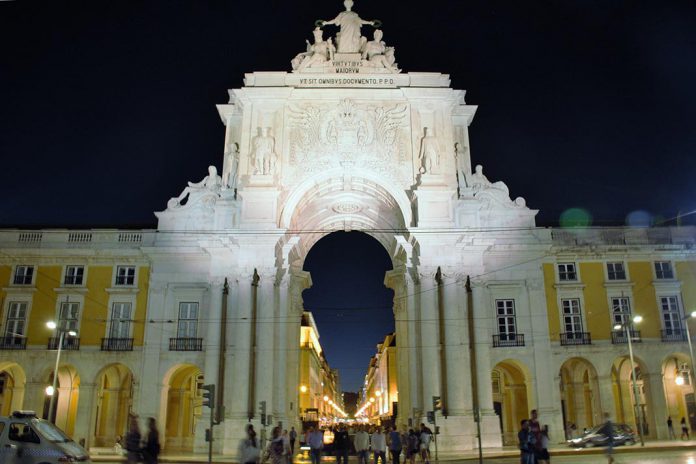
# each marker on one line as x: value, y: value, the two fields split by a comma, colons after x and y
x: 349, y: 141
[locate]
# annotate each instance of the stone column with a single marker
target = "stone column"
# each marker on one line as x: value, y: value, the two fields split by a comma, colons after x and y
x: 430, y: 339
x: 491, y: 435
x: 154, y: 343
x: 212, y: 357
x: 85, y: 412
x: 606, y: 397
x: 280, y: 405
x: 455, y: 325
x: 656, y: 414
x: 414, y: 353
x: 240, y: 381
x: 395, y: 280
x: 265, y: 342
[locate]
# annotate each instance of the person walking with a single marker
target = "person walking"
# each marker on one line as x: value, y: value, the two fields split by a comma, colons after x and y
x: 525, y: 441
x: 424, y: 439
x: 293, y: 438
x: 362, y: 445
x: 287, y: 454
x: 379, y: 446
x: 151, y: 449
x: 274, y: 451
x: 413, y: 445
x: 394, y: 443
x: 249, y: 449
x: 542, y: 454
x: 685, y: 429
x: 670, y: 428
x: 341, y: 444
x: 609, y: 433
x: 315, y: 440
x: 133, y: 439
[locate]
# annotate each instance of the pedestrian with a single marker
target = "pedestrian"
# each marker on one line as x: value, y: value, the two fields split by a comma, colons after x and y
x: 413, y: 444
x: 286, y: 447
x: 609, y: 433
x: 379, y: 446
x: 424, y: 439
x: 670, y: 428
x: 525, y: 440
x: 151, y: 449
x: 362, y: 445
x: 133, y: 438
x: 341, y: 444
x: 394, y: 443
x: 542, y: 454
x: 249, y: 449
x: 685, y: 429
x: 274, y: 451
x: 293, y: 438
x: 315, y: 440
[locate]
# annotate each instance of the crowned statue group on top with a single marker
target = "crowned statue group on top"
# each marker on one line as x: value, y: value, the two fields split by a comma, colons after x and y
x: 373, y: 55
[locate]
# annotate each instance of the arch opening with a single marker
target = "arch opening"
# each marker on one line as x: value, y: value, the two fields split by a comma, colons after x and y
x: 181, y: 406
x: 114, y: 402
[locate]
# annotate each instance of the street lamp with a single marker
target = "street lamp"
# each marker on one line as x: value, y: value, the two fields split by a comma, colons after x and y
x: 685, y: 319
x: 52, y: 391
x: 626, y: 327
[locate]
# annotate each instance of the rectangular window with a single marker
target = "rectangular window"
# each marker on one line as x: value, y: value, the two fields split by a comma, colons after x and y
x: 74, y: 275
x: 188, y: 320
x: 125, y: 275
x: 567, y: 272
x: 663, y: 270
x: 671, y: 314
x: 69, y: 315
x: 119, y: 326
x: 572, y: 317
x: 620, y: 310
x: 616, y: 271
x: 23, y: 275
x: 506, y: 319
x: 16, y: 319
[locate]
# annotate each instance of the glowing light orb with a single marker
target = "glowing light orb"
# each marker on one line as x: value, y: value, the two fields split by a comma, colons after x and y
x: 575, y: 217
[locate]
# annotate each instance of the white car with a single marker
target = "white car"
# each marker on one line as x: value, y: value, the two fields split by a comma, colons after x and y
x: 26, y: 439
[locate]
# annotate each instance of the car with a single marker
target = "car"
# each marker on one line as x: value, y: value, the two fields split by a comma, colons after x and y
x: 598, y: 436
x: 26, y: 439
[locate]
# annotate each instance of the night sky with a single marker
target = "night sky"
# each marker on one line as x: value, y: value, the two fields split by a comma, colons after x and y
x: 107, y: 108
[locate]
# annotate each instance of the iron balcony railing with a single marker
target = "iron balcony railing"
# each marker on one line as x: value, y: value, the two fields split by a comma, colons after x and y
x: 12, y: 342
x: 575, y: 338
x: 117, y: 344
x: 185, y: 344
x: 69, y: 343
x: 619, y: 336
x: 674, y: 335
x: 505, y: 340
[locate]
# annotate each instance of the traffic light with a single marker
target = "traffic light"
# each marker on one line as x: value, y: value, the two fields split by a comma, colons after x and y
x: 437, y: 403
x: 209, y: 396
x: 262, y: 411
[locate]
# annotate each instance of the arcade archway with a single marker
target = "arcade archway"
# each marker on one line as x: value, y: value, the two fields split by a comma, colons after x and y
x: 114, y: 403
x: 12, y: 384
x: 181, y: 406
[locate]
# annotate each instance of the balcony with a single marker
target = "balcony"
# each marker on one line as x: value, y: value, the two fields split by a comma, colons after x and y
x: 674, y: 335
x: 507, y: 340
x: 117, y: 344
x: 13, y: 343
x: 185, y: 344
x: 69, y: 343
x: 619, y: 336
x: 575, y: 338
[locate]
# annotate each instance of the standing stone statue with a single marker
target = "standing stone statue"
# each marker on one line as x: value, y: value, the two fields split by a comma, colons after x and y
x: 350, y: 23
x: 229, y: 172
x: 263, y: 154
x: 462, y: 163
x: 429, y: 153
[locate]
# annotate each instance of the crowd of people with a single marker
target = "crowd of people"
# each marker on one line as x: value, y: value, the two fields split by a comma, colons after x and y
x: 383, y: 445
x: 533, y: 441
x: 139, y: 448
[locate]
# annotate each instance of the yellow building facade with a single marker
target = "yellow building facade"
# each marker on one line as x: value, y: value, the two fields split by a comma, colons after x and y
x: 378, y: 400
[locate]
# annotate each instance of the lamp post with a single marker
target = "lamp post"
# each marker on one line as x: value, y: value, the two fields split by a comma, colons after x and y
x: 53, y: 326
x: 691, y: 348
x: 627, y: 328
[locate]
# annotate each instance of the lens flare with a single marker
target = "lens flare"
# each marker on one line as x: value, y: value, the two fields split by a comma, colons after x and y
x: 575, y: 217
x: 639, y: 218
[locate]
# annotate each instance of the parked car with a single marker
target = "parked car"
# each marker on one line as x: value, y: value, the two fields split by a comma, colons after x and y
x: 26, y: 439
x: 599, y: 436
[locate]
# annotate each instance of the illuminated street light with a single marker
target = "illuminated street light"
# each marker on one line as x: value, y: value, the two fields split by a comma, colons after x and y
x: 626, y: 327
x: 50, y: 390
x: 372, y: 400
x: 303, y: 388
x: 679, y: 380
x: 326, y: 398
x: 378, y: 392
x: 53, y: 326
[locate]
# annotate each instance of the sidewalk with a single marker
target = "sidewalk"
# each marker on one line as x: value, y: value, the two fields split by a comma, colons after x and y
x: 107, y: 455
